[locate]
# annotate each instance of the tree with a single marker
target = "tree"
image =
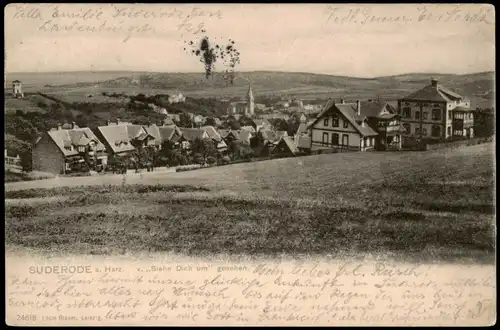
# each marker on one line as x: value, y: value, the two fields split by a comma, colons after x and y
x: 203, y: 148
x: 234, y: 124
x: 185, y: 120
x: 210, y: 121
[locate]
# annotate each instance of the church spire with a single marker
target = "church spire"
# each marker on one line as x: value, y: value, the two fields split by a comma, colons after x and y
x: 250, y: 100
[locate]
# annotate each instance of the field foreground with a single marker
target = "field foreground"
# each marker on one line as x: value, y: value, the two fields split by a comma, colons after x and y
x: 432, y: 206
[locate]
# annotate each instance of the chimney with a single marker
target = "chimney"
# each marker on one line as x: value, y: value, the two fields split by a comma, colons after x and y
x: 59, y: 126
x: 108, y: 122
x: 434, y: 82
x: 358, y: 107
x: 342, y: 101
x: 117, y: 121
x: 73, y: 124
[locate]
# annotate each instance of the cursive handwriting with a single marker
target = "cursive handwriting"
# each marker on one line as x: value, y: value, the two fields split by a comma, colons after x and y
x: 264, y: 293
x: 419, y: 14
x: 115, y: 19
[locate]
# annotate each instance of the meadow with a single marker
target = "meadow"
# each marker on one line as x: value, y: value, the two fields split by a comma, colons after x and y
x: 436, y: 206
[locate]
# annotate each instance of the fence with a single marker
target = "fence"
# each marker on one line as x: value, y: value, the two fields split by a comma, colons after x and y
x: 457, y: 144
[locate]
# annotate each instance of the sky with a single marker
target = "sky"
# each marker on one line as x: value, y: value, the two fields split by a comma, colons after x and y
x: 351, y: 40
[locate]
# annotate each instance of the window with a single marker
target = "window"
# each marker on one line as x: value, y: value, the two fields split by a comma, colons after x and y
x: 448, y: 130
x: 436, y: 114
x: 407, y: 128
x: 424, y: 115
x: 436, y: 130
x: 81, y: 149
x: 437, y: 105
x: 325, y: 138
x: 417, y: 115
x: 407, y: 112
x: 325, y: 122
x: 417, y: 130
x: 346, y: 124
x: 425, y: 105
x: 335, y: 121
x: 335, y: 139
x: 345, y: 139
x: 424, y: 131
x: 471, y: 116
x: 449, y: 115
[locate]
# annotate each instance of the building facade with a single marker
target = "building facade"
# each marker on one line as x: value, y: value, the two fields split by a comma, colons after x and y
x: 435, y: 113
x: 341, y: 126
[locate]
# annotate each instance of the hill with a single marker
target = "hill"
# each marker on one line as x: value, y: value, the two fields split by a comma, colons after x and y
x: 477, y: 86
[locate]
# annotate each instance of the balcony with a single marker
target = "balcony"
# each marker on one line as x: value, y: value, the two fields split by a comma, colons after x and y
x: 463, y: 123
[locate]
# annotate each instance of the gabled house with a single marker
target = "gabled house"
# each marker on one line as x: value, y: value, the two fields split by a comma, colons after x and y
x: 216, y: 137
x: 122, y: 138
x: 62, y: 150
x: 437, y: 113
x: 285, y: 147
x: 170, y: 133
x: 385, y: 120
x: 341, y: 126
x: 191, y: 134
x: 259, y: 124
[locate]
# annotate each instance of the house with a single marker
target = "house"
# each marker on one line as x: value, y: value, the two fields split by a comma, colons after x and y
x: 341, y: 126
x: 17, y: 89
x: 435, y: 113
x: 12, y: 163
x: 60, y: 150
x: 170, y: 133
x: 216, y: 137
x: 191, y: 134
x: 248, y: 129
x: 259, y: 124
x: 265, y: 140
x: 172, y: 118
x: 384, y: 119
x: 285, y: 147
x: 121, y: 138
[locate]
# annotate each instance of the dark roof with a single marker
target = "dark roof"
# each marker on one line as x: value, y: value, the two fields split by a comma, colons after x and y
x: 434, y: 93
x: 288, y: 141
x: 16, y: 81
x: 463, y: 109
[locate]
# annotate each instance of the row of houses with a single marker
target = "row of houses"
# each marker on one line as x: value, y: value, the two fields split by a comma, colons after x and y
x: 69, y: 148
x: 432, y: 113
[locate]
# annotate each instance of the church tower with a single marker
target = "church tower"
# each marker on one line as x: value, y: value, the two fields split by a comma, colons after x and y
x: 250, y: 101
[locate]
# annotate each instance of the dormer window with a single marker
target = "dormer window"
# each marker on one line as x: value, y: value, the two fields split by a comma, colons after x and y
x: 81, y: 148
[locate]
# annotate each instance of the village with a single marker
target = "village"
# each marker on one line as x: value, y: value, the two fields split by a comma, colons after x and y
x: 434, y: 114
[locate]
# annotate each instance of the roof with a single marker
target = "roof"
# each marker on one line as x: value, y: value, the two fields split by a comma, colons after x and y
x: 154, y: 131
x: 463, y: 109
x: 74, y: 137
x: 349, y: 111
x: 436, y: 93
x: 289, y: 143
x: 212, y: 133
x: 16, y: 81
x: 261, y: 122
x: 301, y: 129
x: 224, y: 133
x: 168, y: 131
x: 244, y: 136
x: 191, y: 134
x: 117, y: 137
x: 248, y: 128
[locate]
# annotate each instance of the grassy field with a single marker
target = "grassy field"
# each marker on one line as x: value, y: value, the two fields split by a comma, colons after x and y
x: 433, y: 206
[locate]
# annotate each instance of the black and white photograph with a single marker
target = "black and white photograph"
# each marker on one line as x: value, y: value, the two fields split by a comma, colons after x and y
x: 249, y: 164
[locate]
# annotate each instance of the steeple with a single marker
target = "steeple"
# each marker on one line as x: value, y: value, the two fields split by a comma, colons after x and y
x: 250, y: 100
